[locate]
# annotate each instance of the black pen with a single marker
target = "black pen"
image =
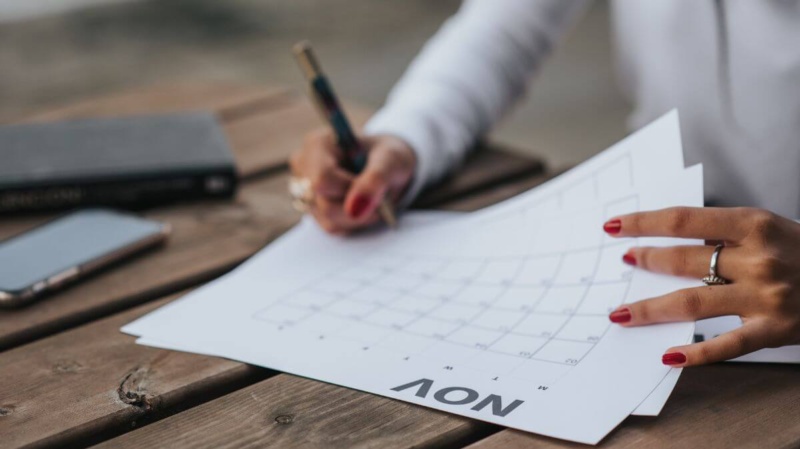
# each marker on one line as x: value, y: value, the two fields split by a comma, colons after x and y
x: 328, y: 105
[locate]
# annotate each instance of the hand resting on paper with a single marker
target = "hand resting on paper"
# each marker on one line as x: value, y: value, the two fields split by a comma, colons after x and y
x: 344, y: 202
x: 760, y: 259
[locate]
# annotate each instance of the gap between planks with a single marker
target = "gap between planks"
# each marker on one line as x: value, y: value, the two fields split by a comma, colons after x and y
x: 208, y: 239
x: 105, y: 309
x: 92, y: 383
x: 261, y: 140
x: 67, y: 389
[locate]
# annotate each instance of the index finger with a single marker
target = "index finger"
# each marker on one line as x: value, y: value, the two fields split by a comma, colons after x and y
x: 318, y: 162
x: 710, y: 223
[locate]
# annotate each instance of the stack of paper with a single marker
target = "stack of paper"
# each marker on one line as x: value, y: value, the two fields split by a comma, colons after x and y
x: 499, y: 315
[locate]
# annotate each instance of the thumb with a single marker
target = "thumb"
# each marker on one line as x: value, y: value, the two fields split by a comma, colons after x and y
x: 370, y: 187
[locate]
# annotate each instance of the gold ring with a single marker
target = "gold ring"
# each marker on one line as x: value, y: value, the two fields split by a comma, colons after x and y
x: 302, y: 194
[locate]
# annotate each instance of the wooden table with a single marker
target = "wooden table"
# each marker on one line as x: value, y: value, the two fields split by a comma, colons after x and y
x: 69, y: 378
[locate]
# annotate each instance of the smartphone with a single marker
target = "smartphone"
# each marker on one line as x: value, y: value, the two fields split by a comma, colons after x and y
x: 66, y: 249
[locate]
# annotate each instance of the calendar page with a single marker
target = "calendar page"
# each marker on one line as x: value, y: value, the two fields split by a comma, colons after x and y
x: 500, y: 315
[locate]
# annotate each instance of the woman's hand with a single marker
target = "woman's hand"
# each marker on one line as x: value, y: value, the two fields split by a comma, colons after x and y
x: 761, y: 260
x: 344, y: 202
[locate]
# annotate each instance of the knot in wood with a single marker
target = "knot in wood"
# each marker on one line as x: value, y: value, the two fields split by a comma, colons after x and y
x: 133, y: 389
x: 284, y: 419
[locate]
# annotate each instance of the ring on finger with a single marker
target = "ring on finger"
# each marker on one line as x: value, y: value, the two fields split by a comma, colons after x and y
x: 302, y: 194
x: 713, y: 278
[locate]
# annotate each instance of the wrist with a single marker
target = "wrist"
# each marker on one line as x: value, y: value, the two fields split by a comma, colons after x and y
x: 405, y: 156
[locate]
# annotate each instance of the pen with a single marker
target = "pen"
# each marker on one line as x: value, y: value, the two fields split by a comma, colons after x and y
x: 328, y: 105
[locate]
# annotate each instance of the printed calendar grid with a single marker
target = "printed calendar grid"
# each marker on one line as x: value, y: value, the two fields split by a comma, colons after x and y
x: 489, y: 346
x: 324, y: 300
x: 411, y: 279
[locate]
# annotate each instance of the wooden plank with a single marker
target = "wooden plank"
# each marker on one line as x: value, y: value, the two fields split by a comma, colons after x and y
x: 164, y: 99
x: 747, y: 405
x: 262, y: 137
x: 292, y: 412
x: 264, y: 125
x: 760, y: 401
x: 754, y: 400
x: 192, y: 256
x: 77, y: 386
x: 93, y: 381
x: 208, y: 238
x: 231, y: 102
x: 66, y: 388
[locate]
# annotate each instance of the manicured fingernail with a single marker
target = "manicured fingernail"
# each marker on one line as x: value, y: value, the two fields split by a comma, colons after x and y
x: 629, y: 259
x: 620, y: 316
x: 612, y: 226
x: 673, y: 358
x: 360, y: 205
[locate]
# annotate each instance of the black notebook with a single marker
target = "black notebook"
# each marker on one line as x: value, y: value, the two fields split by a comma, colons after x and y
x: 125, y: 162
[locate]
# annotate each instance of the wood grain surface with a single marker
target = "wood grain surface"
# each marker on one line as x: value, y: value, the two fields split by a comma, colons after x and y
x: 92, y: 381
x: 725, y: 405
x: 87, y: 384
x: 92, y: 384
x: 263, y: 126
x: 292, y: 412
x: 83, y: 376
x: 208, y: 238
x: 223, y: 98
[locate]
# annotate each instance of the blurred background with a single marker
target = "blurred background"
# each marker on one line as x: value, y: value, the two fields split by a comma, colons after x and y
x: 56, y: 51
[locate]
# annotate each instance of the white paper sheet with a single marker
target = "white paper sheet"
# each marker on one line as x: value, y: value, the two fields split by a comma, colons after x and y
x: 500, y: 316
x: 655, y: 402
x: 651, y: 406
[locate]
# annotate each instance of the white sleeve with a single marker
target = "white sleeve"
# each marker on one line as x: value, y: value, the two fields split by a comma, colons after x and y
x: 466, y: 77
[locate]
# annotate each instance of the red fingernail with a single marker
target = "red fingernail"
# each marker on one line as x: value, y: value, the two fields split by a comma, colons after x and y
x: 673, y: 358
x: 360, y: 205
x: 620, y: 316
x: 612, y: 226
x: 629, y: 259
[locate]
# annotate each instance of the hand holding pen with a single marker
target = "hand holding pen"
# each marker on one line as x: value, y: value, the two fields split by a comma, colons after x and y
x: 344, y: 181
